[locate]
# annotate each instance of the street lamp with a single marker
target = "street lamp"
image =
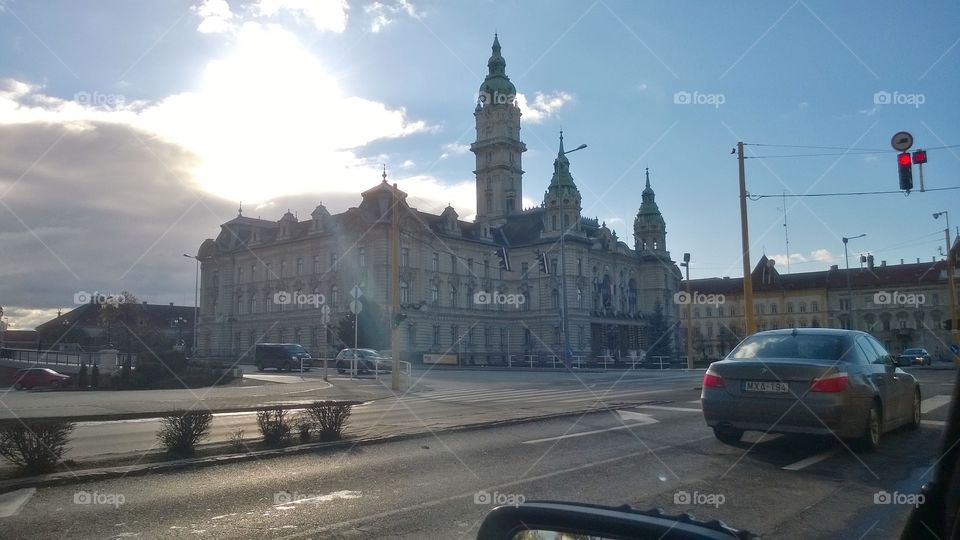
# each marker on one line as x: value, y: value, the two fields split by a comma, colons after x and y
x: 565, y: 342
x: 686, y: 265
x: 196, y: 305
x: 849, y: 290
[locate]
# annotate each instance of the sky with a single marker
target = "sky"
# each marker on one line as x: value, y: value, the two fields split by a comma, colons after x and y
x: 129, y: 131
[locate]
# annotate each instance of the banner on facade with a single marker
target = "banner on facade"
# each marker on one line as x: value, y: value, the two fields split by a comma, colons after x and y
x: 444, y: 359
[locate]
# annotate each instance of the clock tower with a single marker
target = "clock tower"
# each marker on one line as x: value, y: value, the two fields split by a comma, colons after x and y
x: 498, y: 149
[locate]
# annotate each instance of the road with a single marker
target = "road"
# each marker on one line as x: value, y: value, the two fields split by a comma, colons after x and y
x: 440, y: 486
x: 472, y: 397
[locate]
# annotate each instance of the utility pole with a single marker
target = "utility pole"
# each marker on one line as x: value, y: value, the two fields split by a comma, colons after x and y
x: 750, y: 324
x: 846, y: 257
x: 686, y: 264
x: 395, y: 289
x: 952, y: 284
x: 196, y: 305
x: 564, y: 329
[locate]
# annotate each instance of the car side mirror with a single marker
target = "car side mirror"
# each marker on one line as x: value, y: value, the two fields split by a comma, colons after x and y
x: 552, y: 519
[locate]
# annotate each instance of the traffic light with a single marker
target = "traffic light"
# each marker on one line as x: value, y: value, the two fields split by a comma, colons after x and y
x: 919, y: 157
x: 542, y: 259
x: 904, y: 164
x: 504, y: 258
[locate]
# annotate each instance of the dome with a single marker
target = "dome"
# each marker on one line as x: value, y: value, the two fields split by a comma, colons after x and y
x: 496, y: 88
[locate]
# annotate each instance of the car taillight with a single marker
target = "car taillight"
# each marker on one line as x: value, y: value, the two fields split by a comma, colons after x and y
x: 712, y: 380
x: 833, y: 383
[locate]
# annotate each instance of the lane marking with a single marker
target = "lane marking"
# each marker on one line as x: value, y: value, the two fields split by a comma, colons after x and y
x: 932, y: 403
x: 938, y: 423
x: 11, y: 503
x: 637, y: 419
x: 803, y: 463
x: 668, y: 408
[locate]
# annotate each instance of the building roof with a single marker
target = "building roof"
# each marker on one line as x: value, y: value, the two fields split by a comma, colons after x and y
x: 767, y: 279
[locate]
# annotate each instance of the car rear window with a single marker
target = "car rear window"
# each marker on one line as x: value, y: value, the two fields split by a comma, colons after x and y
x: 913, y: 351
x: 796, y: 346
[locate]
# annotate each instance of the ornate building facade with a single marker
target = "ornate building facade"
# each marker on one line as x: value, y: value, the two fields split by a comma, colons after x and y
x: 570, y: 284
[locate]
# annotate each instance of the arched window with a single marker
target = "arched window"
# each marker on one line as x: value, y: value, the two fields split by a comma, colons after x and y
x: 334, y: 296
x: 404, y: 293
x: 434, y: 294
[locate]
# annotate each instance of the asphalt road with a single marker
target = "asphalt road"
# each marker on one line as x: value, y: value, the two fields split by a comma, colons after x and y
x: 659, y: 455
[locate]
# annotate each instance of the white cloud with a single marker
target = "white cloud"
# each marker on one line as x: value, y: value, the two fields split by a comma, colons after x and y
x: 27, y: 318
x: 383, y: 14
x: 216, y: 17
x: 407, y: 164
x: 543, y: 106
x: 329, y: 15
x: 817, y: 255
x: 454, y: 149
x: 822, y: 255
x: 871, y: 111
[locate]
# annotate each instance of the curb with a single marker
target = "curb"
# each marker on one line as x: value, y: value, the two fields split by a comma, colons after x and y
x: 160, y: 414
x: 105, y: 473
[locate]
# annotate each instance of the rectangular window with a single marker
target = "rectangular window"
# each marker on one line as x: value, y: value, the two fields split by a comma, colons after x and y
x: 299, y: 266
x: 579, y: 266
x: 486, y: 268
x: 316, y: 264
x: 404, y: 257
x: 239, y: 274
x: 436, y: 334
x: 453, y: 263
x: 524, y: 267
x: 333, y: 260
x: 435, y: 262
x: 362, y: 257
x: 553, y: 264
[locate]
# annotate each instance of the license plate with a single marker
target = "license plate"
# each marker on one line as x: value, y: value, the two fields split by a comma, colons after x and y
x: 775, y: 387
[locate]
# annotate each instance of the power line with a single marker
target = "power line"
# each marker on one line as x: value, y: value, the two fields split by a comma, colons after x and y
x: 815, y: 147
x: 846, y: 194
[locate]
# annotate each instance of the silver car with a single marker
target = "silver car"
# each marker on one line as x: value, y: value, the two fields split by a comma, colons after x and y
x: 810, y: 380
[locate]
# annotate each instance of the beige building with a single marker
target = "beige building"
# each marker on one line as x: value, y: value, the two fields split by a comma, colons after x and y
x: 566, y: 279
x: 903, y: 305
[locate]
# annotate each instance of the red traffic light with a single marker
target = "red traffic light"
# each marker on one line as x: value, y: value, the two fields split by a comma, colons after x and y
x: 903, y: 159
x: 920, y: 156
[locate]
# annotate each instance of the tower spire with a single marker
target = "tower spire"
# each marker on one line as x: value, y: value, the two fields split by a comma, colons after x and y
x: 648, y: 178
x: 384, y: 172
x: 240, y: 210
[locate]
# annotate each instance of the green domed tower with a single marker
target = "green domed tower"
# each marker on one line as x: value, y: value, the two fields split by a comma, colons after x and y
x: 562, y: 201
x: 649, y: 229
x: 498, y: 148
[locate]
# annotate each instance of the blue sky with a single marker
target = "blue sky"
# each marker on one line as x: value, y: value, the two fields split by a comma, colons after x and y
x: 282, y: 103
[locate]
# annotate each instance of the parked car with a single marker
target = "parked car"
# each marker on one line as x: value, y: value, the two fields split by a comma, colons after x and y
x: 367, y: 360
x: 25, y: 379
x: 281, y: 356
x: 914, y: 357
x: 844, y: 380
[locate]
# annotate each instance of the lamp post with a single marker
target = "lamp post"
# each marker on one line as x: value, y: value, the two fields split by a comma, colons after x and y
x: 565, y: 338
x: 686, y: 265
x: 951, y: 262
x: 196, y: 305
x: 846, y: 257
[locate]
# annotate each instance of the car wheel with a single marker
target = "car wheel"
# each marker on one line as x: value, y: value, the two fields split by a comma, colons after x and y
x: 18, y: 386
x: 915, y: 418
x: 870, y: 440
x: 259, y: 367
x: 288, y: 367
x: 341, y: 370
x: 728, y: 435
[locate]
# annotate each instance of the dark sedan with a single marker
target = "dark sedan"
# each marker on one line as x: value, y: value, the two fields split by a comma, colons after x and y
x: 810, y: 380
x: 914, y: 357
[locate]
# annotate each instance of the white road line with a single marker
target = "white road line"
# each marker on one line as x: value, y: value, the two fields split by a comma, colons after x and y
x: 11, y: 503
x: 803, y: 463
x: 585, y: 433
x: 667, y: 408
x: 599, y: 396
x: 938, y: 423
x: 932, y: 403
